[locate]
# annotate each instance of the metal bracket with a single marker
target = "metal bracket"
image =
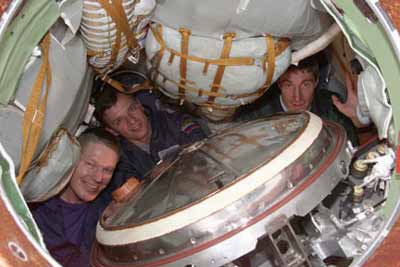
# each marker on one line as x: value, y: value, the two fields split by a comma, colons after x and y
x: 283, y: 245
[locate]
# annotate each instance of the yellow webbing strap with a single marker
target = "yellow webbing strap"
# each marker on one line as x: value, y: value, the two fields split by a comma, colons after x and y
x: 146, y: 85
x: 193, y: 89
x: 234, y: 61
x: 115, y: 48
x: 201, y: 92
x: 273, y: 50
x: 271, y: 61
x: 126, y: 28
x: 35, y: 111
x: 116, y: 11
x: 183, y: 64
x: 92, y: 53
x: 226, y: 50
x: 171, y: 58
x: 280, y: 46
x: 157, y: 33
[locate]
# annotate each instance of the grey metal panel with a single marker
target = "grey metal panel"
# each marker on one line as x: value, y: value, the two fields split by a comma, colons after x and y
x: 11, y: 131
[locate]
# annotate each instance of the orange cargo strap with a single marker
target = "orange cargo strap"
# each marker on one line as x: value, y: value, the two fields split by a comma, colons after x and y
x: 146, y: 85
x: 183, y: 64
x: 233, y: 61
x: 270, y: 59
x: 194, y: 90
x: 125, y: 26
x: 201, y: 92
x: 226, y: 50
x: 273, y: 49
x: 116, y: 12
x: 92, y: 53
x: 35, y: 111
x: 115, y: 48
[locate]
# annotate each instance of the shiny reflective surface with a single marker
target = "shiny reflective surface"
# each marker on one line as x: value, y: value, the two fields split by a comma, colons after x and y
x: 216, y: 164
x: 188, y: 217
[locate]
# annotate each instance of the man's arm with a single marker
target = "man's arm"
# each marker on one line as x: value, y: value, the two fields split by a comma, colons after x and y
x: 349, y: 108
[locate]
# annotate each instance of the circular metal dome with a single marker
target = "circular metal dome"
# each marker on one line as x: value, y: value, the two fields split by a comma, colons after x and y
x: 209, y: 194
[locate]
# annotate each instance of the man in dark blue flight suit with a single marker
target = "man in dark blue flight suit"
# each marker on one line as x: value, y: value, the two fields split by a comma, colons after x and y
x: 300, y: 88
x: 147, y: 134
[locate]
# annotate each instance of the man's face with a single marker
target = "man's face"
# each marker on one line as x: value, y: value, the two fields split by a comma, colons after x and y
x: 297, y: 89
x: 127, y: 118
x: 92, y: 173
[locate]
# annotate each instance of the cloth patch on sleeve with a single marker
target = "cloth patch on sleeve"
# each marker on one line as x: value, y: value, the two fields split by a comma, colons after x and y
x: 187, y: 126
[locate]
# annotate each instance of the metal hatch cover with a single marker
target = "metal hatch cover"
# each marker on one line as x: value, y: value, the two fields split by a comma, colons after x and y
x: 215, y: 191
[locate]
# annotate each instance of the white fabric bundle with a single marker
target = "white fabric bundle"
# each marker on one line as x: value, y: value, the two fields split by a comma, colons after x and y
x: 207, y: 22
x: 100, y: 32
x: 52, y: 172
x: 239, y: 84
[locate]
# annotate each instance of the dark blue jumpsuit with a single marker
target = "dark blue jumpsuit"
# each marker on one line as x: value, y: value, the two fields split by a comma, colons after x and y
x: 169, y: 132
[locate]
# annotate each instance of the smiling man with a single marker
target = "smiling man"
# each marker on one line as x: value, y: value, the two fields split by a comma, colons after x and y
x: 297, y: 87
x: 68, y: 221
x: 299, y: 91
x: 146, y: 134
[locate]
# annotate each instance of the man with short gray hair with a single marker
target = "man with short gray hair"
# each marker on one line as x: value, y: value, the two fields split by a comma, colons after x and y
x: 68, y: 221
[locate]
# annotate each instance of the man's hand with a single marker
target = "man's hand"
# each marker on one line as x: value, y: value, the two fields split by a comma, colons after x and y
x: 349, y: 108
